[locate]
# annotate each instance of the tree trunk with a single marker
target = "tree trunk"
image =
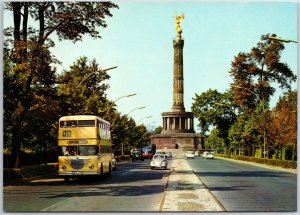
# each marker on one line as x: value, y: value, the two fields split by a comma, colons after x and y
x: 16, y: 138
x: 21, y: 108
x: 294, y: 152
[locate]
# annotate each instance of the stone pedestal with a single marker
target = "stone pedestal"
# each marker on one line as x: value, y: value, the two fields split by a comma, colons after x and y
x: 182, y: 141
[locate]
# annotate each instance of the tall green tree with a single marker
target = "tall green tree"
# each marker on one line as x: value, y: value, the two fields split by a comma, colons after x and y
x: 213, y: 108
x: 82, y: 89
x: 256, y: 72
x: 30, y: 46
x: 215, y: 141
x: 254, y: 75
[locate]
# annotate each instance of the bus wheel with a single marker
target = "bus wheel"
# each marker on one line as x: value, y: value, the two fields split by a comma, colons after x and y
x: 66, y: 179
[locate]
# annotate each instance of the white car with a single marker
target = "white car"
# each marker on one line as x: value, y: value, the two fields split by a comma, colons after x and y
x: 190, y: 154
x: 159, y: 161
x: 208, y: 155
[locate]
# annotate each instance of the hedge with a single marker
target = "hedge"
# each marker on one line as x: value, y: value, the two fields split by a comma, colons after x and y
x: 15, y: 174
x: 272, y: 162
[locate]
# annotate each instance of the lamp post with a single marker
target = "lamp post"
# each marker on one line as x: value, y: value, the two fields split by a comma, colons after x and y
x: 122, y: 120
x: 151, y: 126
x: 102, y: 70
x: 263, y: 106
x: 119, y: 99
x: 135, y: 109
x: 282, y: 39
x: 146, y: 117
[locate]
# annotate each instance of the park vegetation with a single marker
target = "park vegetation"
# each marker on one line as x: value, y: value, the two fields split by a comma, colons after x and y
x: 36, y: 95
x: 240, y: 120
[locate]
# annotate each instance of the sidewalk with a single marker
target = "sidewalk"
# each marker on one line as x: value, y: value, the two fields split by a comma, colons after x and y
x: 185, y: 192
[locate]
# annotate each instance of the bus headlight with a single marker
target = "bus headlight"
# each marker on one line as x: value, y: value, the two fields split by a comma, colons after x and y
x: 91, y: 166
x: 63, y: 167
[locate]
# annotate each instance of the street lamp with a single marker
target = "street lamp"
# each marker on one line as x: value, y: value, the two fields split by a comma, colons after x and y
x: 263, y: 106
x: 124, y: 118
x: 114, y: 102
x: 134, y: 110
x: 146, y: 117
x: 150, y: 127
x: 282, y: 39
x: 102, y: 70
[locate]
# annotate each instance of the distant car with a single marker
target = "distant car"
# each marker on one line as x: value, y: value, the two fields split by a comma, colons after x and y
x: 190, y: 154
x: 136, y: 154
x: 204, y: 154
x: 159, y: 152
x: 147, y: 152
x: 159, y: 161
x: 169, y: 154
x: 196, y: 153
x: 113, y: 162
x: 208, y: 155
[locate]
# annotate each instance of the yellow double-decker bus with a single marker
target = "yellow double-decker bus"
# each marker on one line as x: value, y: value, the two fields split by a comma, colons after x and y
x: 85, y: 146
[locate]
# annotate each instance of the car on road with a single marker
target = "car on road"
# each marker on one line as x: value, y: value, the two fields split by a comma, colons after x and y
x: 147, y: 152
x: 159, y: 161
x: 136, y: 154
x: 208, y: 155
x: 190, y: 154
x: 169, y: 154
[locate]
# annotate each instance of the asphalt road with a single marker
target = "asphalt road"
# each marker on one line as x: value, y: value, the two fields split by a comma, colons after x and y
x: 242, y: 187
x: 132, y: 187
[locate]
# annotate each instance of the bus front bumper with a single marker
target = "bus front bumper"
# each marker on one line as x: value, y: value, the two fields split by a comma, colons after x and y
x: 69, y: 173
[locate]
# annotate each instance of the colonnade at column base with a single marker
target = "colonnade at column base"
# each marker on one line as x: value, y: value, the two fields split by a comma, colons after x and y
x: 184, y: 142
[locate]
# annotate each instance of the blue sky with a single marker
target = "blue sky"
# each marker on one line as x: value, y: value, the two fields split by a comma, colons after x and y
x: 138, y: 39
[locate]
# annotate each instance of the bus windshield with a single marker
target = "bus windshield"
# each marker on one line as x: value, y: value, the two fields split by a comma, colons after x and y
x: 79, y: 150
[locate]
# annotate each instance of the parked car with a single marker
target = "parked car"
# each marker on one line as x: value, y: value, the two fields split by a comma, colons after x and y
x: 159, y: 161
x: 190, y: 154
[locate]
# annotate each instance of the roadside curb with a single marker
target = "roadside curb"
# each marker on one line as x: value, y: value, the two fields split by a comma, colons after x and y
x: 162, y: 200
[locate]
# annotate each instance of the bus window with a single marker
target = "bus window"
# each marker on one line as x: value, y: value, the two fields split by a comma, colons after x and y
x: 68, y: 150
x: 66, y: 124
x: 88, y: 150
x: 86, y: 123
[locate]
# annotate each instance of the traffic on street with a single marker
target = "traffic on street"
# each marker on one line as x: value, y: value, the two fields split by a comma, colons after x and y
x: 135, y: 187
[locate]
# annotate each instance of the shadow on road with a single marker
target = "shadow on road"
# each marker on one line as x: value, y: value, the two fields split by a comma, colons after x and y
x: 113, y: 191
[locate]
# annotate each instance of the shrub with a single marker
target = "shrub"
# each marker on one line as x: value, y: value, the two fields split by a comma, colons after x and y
x: 273, y: 162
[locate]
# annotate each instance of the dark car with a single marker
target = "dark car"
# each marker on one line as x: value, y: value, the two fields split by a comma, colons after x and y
x: 137, y: 154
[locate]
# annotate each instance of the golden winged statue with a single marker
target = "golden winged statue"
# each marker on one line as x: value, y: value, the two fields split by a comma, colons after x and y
x: 178, y: 20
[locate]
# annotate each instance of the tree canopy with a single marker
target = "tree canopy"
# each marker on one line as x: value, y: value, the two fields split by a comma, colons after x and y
x: 28, y: 55
x: 241, y: 117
